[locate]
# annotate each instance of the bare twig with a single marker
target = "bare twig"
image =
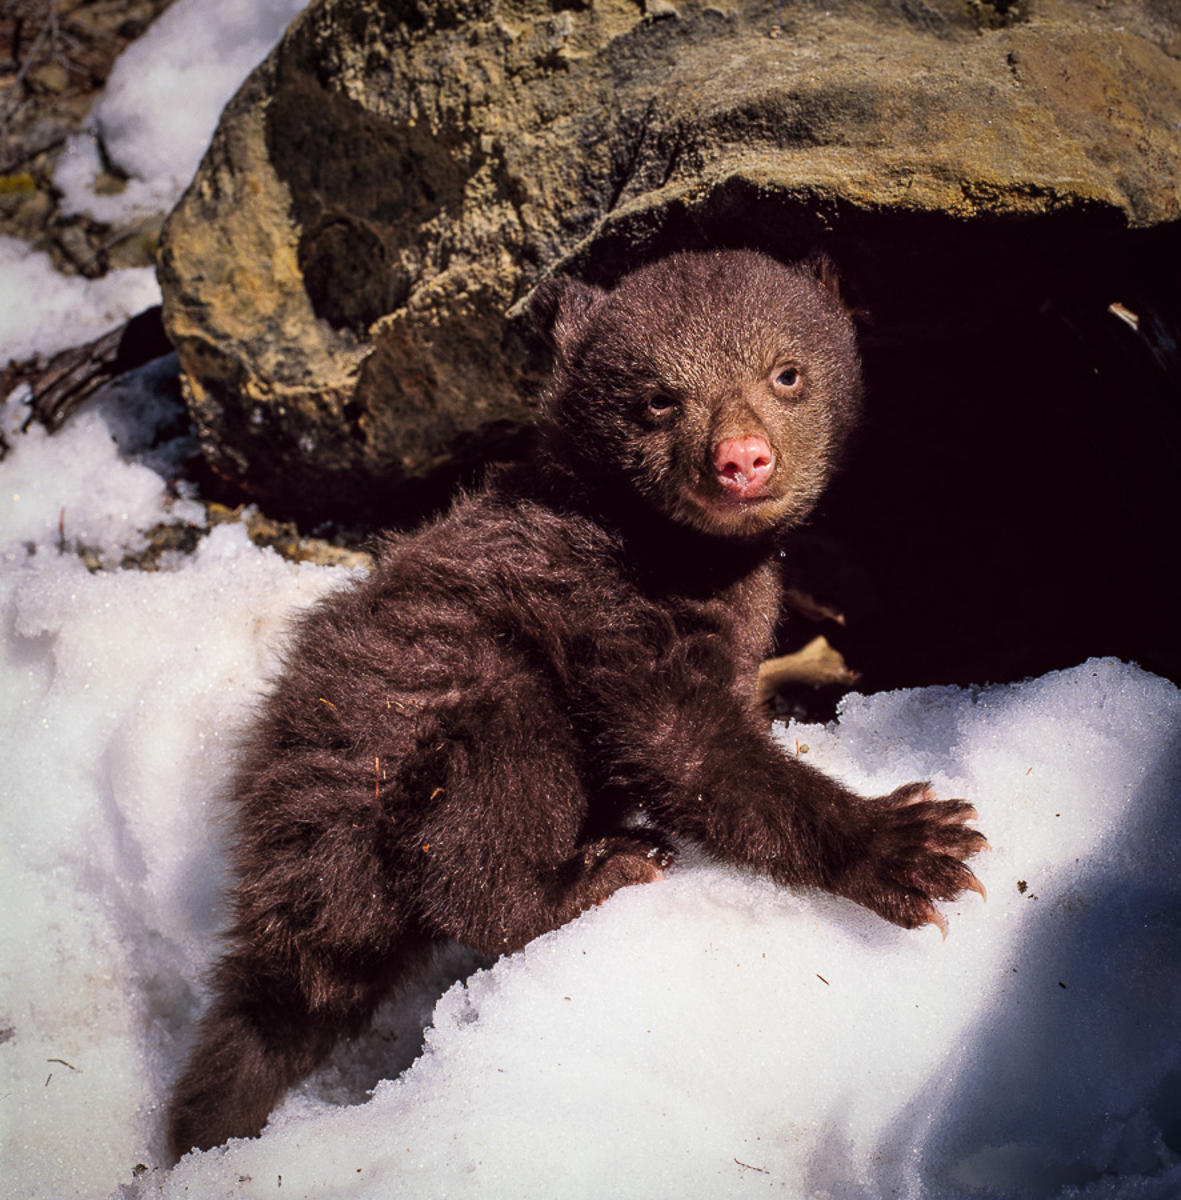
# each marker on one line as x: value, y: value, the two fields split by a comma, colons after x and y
x: 68, y: 378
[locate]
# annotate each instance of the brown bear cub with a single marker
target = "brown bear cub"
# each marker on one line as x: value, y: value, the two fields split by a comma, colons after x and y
x: 525, y: 703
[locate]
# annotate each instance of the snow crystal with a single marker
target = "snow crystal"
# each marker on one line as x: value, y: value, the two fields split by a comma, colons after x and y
x: 102, y: 501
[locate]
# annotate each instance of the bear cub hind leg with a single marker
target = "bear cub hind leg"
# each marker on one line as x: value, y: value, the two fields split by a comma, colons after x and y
x: 262, y: 1035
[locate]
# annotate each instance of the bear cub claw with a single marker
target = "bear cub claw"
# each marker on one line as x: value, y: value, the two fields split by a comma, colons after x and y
x: 914, y: 855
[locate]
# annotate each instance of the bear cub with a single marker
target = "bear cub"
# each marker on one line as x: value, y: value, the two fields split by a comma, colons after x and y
x: 528, y: 701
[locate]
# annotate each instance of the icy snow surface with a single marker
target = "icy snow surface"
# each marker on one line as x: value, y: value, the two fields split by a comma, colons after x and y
x: 707, y: 1036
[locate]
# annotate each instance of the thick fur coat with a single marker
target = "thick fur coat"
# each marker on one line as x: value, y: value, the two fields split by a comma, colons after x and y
x: 527, y: 703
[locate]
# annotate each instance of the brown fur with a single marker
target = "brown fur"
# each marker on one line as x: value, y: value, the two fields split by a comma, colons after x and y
x: 462, y: 741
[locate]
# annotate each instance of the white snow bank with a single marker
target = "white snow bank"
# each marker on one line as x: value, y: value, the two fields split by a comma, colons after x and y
x: 707, y: 1036
x: 78, y: 486
x: 120, y: 697
x: 714, y: 1036
x: 43, y: 311
x: 162, y: 101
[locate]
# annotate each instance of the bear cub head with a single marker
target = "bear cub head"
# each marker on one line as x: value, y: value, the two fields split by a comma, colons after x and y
x: 719, y: 387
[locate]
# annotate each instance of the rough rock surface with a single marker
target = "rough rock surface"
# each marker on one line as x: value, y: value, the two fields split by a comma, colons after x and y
x: 397, y: 175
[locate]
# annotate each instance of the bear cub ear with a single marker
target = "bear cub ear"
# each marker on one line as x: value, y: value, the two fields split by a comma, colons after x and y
x: 560, y: 310
x: 825, y: 272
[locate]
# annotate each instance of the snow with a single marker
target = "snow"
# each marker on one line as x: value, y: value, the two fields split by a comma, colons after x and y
x: 710, y: 1035
x: 162, y: 101
x: 42, y: 311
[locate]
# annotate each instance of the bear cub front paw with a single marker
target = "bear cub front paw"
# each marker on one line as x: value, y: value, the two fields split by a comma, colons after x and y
x: 914, y: 847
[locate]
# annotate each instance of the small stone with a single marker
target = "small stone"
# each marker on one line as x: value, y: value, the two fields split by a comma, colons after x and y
x: 52, y: 77
x: 78, y: 250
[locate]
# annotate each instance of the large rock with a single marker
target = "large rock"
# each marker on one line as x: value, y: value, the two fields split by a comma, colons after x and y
x: 397, y: 175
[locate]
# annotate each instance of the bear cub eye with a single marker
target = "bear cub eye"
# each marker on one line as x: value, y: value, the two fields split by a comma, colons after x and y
x: 660, y: 403
x: 787, y: 380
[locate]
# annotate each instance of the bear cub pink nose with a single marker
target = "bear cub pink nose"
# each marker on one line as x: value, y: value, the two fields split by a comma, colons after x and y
x: 744, y: 465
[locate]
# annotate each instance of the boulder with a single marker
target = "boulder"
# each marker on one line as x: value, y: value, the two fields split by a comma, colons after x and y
x: 341, y: 280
